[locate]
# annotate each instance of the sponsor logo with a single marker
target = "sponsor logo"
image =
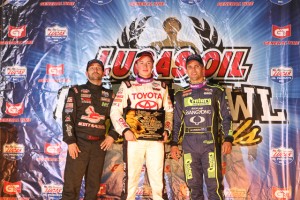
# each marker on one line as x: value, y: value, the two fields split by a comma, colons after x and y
x: 149, y: 95
x: 281, y: 74
x: 52, y: 149
x: 12, y: 188
x: 52, y: 191
x: 105, y: 94
x: 86, y: 100
x: 281, y: 32
x: 197, y: 120
x: 85, y: 91
x: 231, y: 3
x: 146, y: 104
x: 56, y: 34
x: 100, y: 2
x: 115, y: 168
x: 281, y: 155
x: 14, y: 109
x: 142, y: 3
x: 13, y: 151
x: 102, y: 189
x: 191, y: 2
x: 15, y: 73
x: 86, y: 95
x: 92, y: 116
x: 280, y: 2
x: 104, y: 104
x: 189, y: 101
x: 233, y: 68
x: 281, y: 193
x: 122, y: 122
x: 105, y: 99
x: 55, y: 70
x: 235, y: 193
x: 17, y: 2
x: 211, y: 170
x: 198, y: 112
x: 16, y: 32
x: 62, y: 3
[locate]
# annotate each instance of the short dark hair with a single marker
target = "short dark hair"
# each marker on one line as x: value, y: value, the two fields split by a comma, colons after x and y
x: 194, y: 57
x: 94, y: 61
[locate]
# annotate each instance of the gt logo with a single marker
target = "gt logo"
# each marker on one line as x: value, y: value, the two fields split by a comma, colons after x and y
x: 197, y: 120
x: 147, y: 104
x: 281, y: 32
x: 16, y: 32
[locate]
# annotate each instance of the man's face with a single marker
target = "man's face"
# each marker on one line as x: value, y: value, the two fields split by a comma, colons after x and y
x: 95, y: 72
x: 195, y: 71
x: 144, y: 67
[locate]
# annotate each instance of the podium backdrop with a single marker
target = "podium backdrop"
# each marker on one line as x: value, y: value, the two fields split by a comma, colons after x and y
x: 250, y: 47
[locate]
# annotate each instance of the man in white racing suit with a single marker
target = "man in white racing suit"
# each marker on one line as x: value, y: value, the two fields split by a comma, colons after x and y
x: 143, y: 93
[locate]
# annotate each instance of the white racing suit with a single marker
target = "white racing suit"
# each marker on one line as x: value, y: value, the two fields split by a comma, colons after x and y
x: 152, y: 95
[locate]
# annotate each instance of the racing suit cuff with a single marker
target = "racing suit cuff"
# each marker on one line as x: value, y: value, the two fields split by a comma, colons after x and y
x: 70, y: 140
x: 173, y: 143
x: 229, y: 139
x: 126, y: 129
x: 113, y: 134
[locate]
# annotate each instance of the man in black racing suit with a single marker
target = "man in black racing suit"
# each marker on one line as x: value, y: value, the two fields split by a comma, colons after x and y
x: 202, y: 114
x: 85, y: 115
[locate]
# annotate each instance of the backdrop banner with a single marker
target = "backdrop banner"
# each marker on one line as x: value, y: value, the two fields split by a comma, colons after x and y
x: 251, y: 48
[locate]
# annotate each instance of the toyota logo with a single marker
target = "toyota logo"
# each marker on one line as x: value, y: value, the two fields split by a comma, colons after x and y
x: 147, y: 104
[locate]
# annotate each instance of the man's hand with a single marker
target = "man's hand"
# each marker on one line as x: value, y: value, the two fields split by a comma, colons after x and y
x: 73, y: 150
x: 226, y: 148
x: 129, y: 136
x: 175, y: 152
x: 165, y: 134
x: 106, y: 144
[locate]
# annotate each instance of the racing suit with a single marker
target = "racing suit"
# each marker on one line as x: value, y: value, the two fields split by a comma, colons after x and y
x: 150, y: 95
x: 199, y: 114
x: 85, y: 115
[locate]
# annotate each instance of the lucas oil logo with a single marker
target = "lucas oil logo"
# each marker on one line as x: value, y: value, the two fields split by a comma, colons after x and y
x: 13, y: 151
x: 281, y: 74
x: 56, y: 34
x: 282, y: 156
x: 52, y: 191
x: 15, y: 73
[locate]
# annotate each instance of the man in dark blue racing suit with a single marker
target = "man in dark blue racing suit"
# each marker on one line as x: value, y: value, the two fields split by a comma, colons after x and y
x: 202, y: 115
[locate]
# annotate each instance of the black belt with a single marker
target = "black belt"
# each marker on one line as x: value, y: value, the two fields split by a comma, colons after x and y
x: 198, y: 130
x: 91, y: 137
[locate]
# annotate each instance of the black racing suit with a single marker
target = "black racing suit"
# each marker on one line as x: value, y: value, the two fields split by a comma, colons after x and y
x: 85, y: 115
x: 203, y: 116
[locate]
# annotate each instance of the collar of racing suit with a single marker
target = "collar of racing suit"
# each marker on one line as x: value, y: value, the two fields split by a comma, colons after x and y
x: 198, y: 85
x: 93, y: 87
x: 144, y: 80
